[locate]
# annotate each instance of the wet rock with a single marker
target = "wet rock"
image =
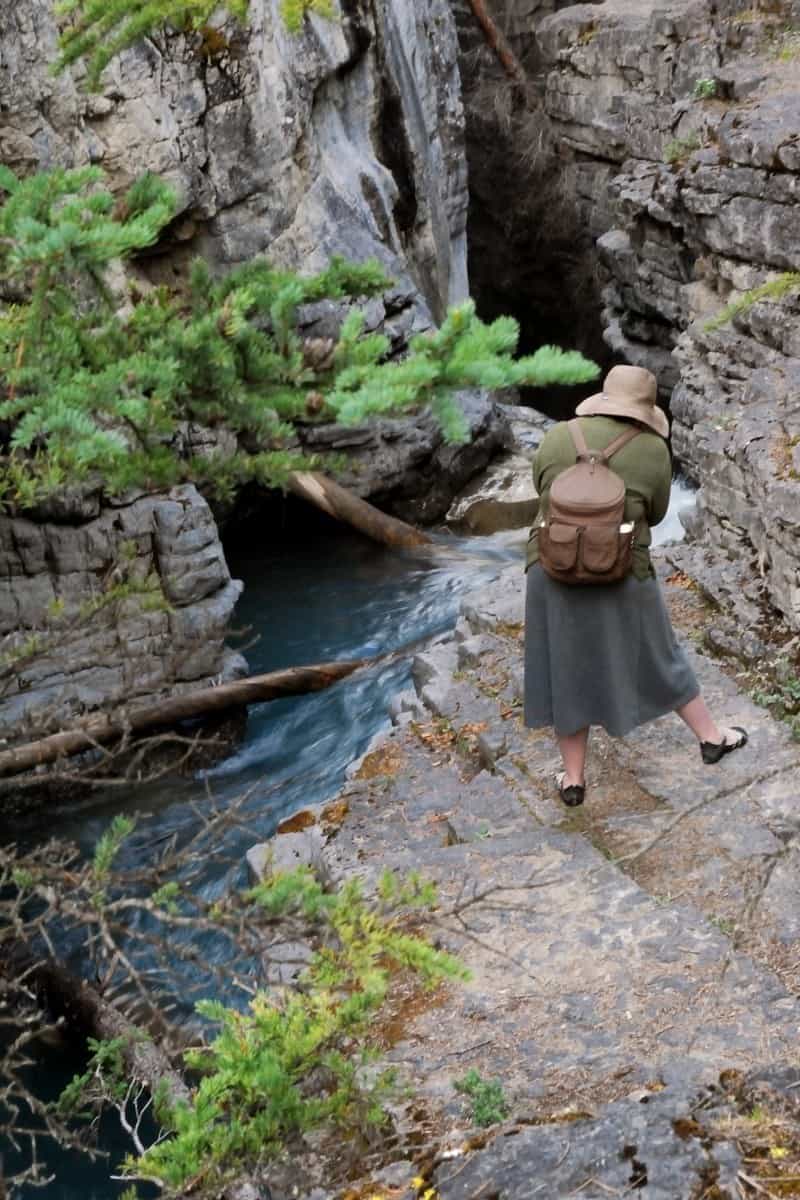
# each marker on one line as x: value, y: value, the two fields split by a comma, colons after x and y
x: 502, y: 497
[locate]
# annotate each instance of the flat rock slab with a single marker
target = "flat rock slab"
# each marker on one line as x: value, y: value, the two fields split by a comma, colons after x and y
x: 641, y: 944
x: 667, y: 764
x: 631, y: 1146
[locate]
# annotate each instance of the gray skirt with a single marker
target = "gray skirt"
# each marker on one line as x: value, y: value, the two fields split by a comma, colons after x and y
x: 601, y: 655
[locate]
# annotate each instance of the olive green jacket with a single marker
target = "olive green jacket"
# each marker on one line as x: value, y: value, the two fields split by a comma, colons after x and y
x: 644, y: 464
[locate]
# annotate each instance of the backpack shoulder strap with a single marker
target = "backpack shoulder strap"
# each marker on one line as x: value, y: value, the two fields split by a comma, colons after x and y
x: 583, y: 451
x: 617, y: 444
x: 579, y: 441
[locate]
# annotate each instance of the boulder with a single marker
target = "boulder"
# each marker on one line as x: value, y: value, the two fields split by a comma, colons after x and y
x: 502, y: 497
x: 403, y: 464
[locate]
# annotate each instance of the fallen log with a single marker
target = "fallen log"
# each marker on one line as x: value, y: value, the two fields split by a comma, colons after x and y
x: 295, y: 681
x: 338, y: 502
x: 70, y: 999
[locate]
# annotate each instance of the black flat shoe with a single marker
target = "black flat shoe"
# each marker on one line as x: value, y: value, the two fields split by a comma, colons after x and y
x: 573, y: 795
x: 712, y: 752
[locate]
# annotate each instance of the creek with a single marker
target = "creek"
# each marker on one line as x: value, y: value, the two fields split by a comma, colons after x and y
x: 330, y: 595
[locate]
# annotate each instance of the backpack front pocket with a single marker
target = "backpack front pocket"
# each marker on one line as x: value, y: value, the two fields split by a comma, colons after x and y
x: 600, y: 548
x: 559, y: 547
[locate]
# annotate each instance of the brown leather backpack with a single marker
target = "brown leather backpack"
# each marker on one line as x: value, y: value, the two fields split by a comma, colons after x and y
x: 583, y: 538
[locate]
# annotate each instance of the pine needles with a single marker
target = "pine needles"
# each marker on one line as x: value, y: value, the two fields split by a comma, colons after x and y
x: 98, y: 30
x: 774, y: 289
x: 89, y: 392
x: 294, y: 12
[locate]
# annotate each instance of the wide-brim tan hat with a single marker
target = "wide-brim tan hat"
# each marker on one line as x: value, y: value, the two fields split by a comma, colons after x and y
x: 628, y: 392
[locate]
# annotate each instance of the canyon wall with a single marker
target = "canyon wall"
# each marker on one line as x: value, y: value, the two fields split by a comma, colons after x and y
x: 679, y: 124
x: 346, y: 138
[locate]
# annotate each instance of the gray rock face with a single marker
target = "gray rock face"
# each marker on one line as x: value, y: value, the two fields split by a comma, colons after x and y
x: 56, y: 571
x: 695, y: 202
x: 346, y: 138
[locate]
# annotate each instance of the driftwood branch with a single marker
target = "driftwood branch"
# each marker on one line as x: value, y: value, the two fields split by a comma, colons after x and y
x: 338, y: 502
x: 295, y: 681
x: 498, y: 43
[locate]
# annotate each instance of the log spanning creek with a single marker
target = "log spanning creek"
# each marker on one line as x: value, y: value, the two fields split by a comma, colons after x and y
x: 332, y: 595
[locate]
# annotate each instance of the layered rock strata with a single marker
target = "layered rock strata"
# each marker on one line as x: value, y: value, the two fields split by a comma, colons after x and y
x: 346, y: 138
x: 73, y: 634
x: 682, y: 122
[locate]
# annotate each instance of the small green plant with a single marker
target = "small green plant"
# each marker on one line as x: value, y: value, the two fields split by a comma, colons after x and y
x: 294, y: 12
x: 254, y: 1091
x: 705, y: 89
x: 96, y: 31
x: 488, y: 1102
x: 106, y: 1074
x: 724, y: 925
x: 782, y: 698
x: 773, y: 289
x: 680, y: 148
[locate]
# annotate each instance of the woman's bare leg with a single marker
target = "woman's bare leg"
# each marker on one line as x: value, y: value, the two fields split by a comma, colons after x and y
x: 700, y: 721
x: 573, y: 756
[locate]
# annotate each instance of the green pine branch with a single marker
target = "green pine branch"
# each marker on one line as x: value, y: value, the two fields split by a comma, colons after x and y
x: 96, y: 31
x: 84, y: 392
x: 774, y: 289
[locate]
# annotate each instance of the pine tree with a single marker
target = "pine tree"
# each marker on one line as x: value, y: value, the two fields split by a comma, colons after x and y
x: 89, y: 392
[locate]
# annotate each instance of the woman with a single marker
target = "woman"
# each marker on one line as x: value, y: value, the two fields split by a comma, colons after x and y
x: 606, y: 654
